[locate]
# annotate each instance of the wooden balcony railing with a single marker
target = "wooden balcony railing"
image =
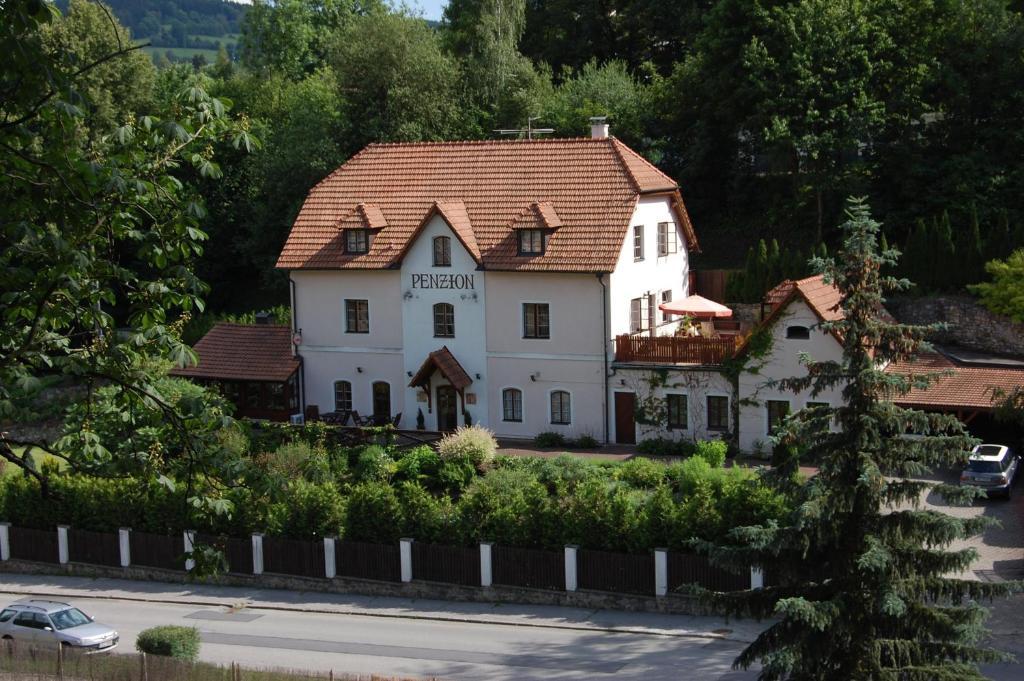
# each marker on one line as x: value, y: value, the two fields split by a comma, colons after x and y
x: 675, y: 349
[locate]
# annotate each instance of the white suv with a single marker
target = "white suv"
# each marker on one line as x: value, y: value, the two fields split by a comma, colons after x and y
x: 41, y: 622
x: 992, y: 468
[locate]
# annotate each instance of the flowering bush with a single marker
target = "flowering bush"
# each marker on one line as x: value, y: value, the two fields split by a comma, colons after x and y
x: 473, y: 443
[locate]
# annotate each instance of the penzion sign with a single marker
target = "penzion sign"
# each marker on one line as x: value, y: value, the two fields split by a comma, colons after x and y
x: 450, y: 281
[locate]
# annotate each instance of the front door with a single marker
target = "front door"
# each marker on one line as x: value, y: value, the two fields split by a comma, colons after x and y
x: 625, y: 418
x: 447, y: 409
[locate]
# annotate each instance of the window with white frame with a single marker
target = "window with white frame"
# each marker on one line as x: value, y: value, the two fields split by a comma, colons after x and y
x: 561, y: 408
x: 512, y: 405
x: 668, y: 241
x: 641, y: 313
x: 666, y: 297
x: 442, y: 251
x: 342, y: 396
x: 638, y: 242
x: 676, y: 405
x: 357, y: 241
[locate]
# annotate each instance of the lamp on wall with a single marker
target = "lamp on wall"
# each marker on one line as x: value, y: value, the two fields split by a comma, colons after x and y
x: 359, y: 370
x: 533, y: 377
x: 477, y: 376
x: 409, y: 374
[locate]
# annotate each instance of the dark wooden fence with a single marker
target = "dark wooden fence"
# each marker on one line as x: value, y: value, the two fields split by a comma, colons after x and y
x: 711, y: 284
x: 531, y: 568
x: 238, y: 552
x: 363, y: 560
x: 302, y: 557
x: 441, y: 563
x: 621, y: 572
x: 98, y: 548
x: 675, y: 349
x: 30, y: 544
x: 685, y: 568
x: 158, y: 550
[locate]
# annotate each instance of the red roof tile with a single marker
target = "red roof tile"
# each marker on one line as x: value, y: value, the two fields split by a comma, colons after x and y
x: 249, y: 352
x: 589, y: 186
x: 967, y: 387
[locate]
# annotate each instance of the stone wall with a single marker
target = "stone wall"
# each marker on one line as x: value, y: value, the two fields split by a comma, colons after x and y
x: 968, y: 323
x: 674, y: 604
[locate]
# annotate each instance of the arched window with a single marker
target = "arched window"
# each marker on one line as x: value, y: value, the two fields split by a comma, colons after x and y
x: 512, y: 404
x: 444, y: 320
x: 442, y: 251
x: 561, y: 408
x: 342, y: 396
x: 798, y: 332
x: 382, y: 400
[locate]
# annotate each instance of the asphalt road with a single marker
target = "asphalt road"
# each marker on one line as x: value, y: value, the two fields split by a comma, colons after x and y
x: 417, y: 648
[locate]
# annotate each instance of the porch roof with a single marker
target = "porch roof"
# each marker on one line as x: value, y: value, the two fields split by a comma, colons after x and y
x: 444, y: 361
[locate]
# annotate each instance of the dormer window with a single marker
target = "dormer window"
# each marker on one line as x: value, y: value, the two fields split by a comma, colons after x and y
x: 357, y: 241
x: 798, y: 332
x: 531, y: 242
x: 442, y: 251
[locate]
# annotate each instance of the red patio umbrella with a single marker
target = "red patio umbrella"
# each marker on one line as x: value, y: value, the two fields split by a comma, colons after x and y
x: 697, y: 307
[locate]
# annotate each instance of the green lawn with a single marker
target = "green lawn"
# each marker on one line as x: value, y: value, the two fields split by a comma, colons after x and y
x: 38, y: 456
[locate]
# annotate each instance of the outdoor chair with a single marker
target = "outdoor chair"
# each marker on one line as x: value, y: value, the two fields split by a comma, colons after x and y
x: 398, y: 418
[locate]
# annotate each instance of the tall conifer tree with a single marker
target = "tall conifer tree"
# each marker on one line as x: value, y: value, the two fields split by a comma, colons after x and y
x: 859, y: 573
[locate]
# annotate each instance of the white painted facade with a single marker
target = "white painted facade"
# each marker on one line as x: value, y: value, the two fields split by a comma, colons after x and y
x: 783, y: 361
x: 585, y: 312
x: 696, y: 384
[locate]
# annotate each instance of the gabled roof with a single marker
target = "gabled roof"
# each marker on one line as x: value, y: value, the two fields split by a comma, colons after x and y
x: 363, y: 216
x: 444, y: 361
x: 453, y: 213
x: 967, y: 386
x: 588, y: 187
x: 244, y: 352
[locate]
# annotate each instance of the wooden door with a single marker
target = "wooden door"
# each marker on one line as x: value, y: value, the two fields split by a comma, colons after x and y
x: 447, y: 408
x: 625, y: 418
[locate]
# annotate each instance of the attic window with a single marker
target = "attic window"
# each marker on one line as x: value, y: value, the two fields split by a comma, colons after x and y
x: 531, y: 242
x: 798, y: 332
x: 357, y: 240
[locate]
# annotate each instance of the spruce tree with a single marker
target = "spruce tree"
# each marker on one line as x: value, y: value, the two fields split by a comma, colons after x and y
x: 858, y: 573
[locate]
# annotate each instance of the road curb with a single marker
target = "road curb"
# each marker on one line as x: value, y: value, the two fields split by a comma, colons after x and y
x: 430, y: 618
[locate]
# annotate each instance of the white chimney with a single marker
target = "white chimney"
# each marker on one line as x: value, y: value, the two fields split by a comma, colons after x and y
x: 598, y: 128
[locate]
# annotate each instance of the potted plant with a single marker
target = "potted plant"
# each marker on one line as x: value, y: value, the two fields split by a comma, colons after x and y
x: 421, y: 422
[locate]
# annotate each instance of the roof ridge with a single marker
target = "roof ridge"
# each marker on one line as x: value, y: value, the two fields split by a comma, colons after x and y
x: 435, y: 143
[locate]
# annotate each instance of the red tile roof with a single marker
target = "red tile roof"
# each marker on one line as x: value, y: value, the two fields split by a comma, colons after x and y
x: 588, y: 186
x: 249, y: 352
x: 444, y: 361
x: 967, y: 386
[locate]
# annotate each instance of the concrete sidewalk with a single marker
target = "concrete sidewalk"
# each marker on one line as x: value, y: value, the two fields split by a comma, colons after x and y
x: 544, y: 616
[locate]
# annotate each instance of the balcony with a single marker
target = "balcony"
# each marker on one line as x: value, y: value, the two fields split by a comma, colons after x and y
x: 676, y: 349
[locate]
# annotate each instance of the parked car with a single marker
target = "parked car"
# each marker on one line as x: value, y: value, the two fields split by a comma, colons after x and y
x: 43, y: 622
x: 993, y: 468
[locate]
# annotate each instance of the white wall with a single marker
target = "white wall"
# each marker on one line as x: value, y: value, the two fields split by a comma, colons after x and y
x: 417, y: 308
x: 783, y: 361
x: 633, y: 278
x: 697, y: 385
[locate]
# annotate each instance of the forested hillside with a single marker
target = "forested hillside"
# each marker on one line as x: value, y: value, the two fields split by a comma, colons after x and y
x: 768, y: 114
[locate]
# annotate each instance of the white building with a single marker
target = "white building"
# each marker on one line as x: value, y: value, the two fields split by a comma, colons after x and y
x: 483, y: 281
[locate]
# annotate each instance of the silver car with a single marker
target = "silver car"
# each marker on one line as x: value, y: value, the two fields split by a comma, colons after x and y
x: 993, y: 468
x: 48, y: 622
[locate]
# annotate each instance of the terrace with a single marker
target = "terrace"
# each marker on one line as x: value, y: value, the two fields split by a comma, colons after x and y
x: 676, y: 349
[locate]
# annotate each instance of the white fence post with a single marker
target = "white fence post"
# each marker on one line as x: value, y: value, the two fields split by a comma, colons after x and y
x: 405, y: 554
x: 570, y: 568
x: 660, y: 572
x: 5, y: 541
x: 257, y: 553
x: 124, y: 542
x: 756, y: 578
x: 330, y: 568
x: 486, y: 576
x: 62, y: 544
x: 190, y: 546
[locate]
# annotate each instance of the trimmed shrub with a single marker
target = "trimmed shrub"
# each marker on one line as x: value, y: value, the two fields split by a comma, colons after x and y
x: 455, y: 475
x: 374, y: 513
x: 181, y: 643
x: 549, y: 439
x: 311, y: 511
x: 586, y: 442
x: 424, y: 516
x: 607, y: 516
x: 712, y: 451
x: 418, y: 464
x: 507, y: 507
x: 289, y: 460
x: 663, y: 446
x: 562, y: 474
x: 374, y: 465
x: 684, y: 475
x: 641, y: 473
x: 475, y: 443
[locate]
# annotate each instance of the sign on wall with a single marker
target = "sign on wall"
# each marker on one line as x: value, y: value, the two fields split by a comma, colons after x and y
x: 443, y: 281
